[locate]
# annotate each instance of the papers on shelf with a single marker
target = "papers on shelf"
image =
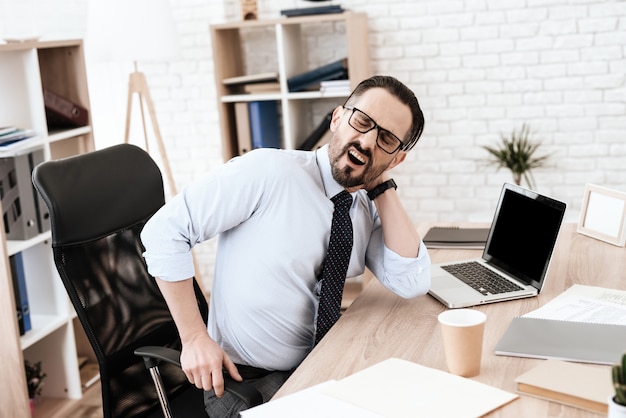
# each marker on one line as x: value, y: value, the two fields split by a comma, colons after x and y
x: 335, y: 86
x: 581, y: 303
x: 392, y: 388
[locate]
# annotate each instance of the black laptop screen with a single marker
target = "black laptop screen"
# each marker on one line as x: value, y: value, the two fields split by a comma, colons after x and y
x: 524, y: 234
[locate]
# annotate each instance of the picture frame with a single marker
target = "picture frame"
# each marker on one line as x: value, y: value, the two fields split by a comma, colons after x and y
x: 603, y: 215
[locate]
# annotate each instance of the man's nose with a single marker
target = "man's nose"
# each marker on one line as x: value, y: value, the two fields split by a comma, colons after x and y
x: 368, y: 139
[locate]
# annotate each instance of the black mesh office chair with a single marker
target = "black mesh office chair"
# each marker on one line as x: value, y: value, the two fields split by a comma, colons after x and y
x: 99, y: 203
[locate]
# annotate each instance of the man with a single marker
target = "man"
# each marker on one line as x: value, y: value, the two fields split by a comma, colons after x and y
x: 272, y: 211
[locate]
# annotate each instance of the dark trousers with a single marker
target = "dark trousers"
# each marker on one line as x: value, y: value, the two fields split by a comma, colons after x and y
x: 229, y: 405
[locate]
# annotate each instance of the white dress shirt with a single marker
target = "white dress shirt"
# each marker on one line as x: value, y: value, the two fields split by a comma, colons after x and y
x: 272, y: 211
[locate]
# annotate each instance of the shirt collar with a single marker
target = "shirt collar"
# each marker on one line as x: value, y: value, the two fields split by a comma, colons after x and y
x: 331, y: 187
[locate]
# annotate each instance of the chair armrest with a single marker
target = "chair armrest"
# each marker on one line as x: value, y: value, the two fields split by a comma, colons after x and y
x: 152, y: 355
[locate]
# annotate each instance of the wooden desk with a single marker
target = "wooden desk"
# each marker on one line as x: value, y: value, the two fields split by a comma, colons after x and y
x: 380, y: 325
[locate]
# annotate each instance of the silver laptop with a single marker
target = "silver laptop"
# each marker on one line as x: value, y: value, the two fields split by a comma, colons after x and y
x: 516, y: 257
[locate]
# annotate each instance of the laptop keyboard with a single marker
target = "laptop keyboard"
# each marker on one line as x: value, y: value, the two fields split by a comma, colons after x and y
x: 481, y: 278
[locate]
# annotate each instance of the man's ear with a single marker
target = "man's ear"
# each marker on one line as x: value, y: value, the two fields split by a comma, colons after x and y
x: 334, y: 122
x: 400, y: 156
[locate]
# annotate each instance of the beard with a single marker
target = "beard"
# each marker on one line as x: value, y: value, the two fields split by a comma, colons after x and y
x: 346, y: 176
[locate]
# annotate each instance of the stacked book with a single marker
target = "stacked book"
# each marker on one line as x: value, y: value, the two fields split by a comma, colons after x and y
x: 336, y: 87
x: 253, y: 83
x: 10, y: 136
x: 311, y: 80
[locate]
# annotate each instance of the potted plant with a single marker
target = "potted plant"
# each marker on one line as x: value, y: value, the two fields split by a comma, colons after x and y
x: 34, y: 380
x: 517, y: 153
x: 617, y: 403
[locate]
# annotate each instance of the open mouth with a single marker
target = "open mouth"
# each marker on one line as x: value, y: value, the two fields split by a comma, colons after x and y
x: 356, y: 158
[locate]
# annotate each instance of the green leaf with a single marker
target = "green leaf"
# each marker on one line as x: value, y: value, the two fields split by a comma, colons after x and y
x: 517, y: 154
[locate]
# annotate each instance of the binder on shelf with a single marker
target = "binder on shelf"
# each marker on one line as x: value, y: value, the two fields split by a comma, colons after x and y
x: 18, y: 199
x: 582, y: 342
x: 21, y: 293
x: 318, y: 133
x: 242, y: 124
x: 17, y: 297
x: 332, y: 71
x: 264, y: 124
x: 61, y: 112
x: 43, y: 215
x: 455, y: 237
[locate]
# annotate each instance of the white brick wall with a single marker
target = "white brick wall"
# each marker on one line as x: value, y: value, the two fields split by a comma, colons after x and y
x: 479, y: 67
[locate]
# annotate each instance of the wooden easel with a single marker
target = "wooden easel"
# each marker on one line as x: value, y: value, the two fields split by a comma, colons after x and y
x: 137, y: 84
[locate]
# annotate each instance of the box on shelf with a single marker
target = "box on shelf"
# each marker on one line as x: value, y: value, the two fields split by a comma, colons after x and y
x: 24, y: 212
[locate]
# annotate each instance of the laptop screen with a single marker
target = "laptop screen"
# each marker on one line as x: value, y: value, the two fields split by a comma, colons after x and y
x: 524, y: 233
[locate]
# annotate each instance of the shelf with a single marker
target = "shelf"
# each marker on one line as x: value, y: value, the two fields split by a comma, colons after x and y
x: 285, y: 21
x: 316, y: 95
x: 287, y: 47
x: 234, y: 98
x: 307, y: 95
x: 26, y: 69
x: 15, y: 246
x: 54, y: 136
x: 43, y: 325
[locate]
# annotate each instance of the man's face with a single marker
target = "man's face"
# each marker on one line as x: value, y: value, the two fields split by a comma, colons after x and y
x: 355, y: 158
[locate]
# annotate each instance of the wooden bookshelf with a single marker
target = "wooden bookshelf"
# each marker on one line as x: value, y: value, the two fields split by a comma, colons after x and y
x: 26, y: 68
x: 291, y: 46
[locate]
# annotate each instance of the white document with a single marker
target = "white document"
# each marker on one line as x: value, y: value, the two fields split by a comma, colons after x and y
x: 393, y: 388
x: 399, y: 388
x: 309, y: 403
x: 581, y: 303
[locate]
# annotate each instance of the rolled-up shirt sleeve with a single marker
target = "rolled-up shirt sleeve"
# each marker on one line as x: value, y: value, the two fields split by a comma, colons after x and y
x: 168, y: 258
x: 407, y: 277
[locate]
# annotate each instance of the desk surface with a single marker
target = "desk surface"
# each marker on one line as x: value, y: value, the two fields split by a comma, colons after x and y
x: 379, y: 325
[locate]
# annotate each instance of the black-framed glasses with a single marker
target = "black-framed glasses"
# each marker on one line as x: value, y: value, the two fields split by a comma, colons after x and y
x: 360, y: 122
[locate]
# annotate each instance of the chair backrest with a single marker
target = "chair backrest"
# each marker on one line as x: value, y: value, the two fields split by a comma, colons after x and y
x: 99, y: 203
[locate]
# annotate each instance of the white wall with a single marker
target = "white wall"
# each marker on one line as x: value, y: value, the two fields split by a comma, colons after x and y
x: 479, y: 67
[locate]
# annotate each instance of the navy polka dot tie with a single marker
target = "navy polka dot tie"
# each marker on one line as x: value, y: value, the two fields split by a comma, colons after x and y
x: 335, y: 265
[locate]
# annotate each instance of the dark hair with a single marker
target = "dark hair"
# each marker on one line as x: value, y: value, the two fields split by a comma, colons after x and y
x: 402, y: 93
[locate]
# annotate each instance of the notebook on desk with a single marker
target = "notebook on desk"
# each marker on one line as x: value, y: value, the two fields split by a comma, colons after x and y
x: 516, y: 257
x: 455, y: 237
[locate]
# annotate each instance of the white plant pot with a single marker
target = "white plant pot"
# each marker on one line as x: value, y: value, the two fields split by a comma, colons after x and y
x: 616, y: 410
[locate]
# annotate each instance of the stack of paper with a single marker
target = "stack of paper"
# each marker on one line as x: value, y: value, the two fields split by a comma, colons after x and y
x: 392, y: 388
